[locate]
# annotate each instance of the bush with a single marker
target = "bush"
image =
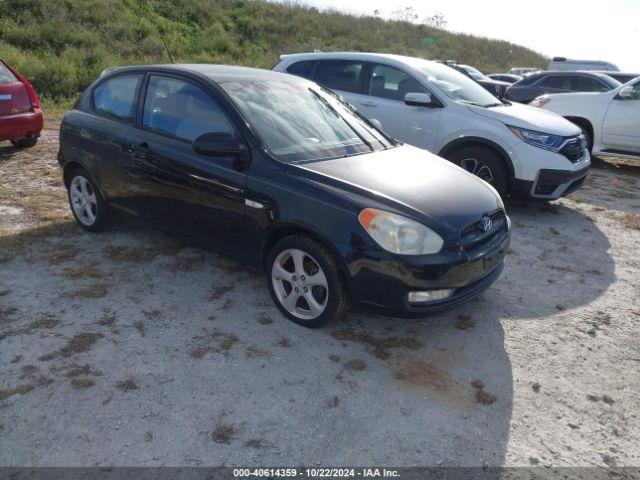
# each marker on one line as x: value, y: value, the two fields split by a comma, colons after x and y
x: 62, y: 46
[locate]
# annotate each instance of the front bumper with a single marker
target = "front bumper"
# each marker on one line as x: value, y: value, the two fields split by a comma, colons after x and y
x: 550, y: 184
x: 21, y: 125
x: 543, y: 174
x: 381, y: 282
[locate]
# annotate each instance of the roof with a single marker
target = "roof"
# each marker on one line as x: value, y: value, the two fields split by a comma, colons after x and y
x: 218, y: 73
x: 346, y: 55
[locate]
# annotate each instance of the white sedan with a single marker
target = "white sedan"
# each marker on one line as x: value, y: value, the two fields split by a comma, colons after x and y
x: 609, y: 120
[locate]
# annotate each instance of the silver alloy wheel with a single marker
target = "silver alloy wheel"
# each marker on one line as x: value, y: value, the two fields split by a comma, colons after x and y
x: 472, y: 165
x: 300, y: 284
x: 83, y: 200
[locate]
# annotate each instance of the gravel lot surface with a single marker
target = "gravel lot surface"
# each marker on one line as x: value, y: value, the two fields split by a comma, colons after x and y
x: 132, y: 348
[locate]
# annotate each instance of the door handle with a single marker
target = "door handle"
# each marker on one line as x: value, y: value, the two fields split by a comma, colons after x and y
x: 369, y: 104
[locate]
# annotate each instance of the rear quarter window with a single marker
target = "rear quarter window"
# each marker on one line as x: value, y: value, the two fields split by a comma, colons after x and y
x: 302, y: 69
x: 6, y: 75
x: 344, y: 75
x: 116, y: 98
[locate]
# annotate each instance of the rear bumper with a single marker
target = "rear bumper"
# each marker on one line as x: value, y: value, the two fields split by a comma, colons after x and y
x: 21, y: 125
x: 381, y: 282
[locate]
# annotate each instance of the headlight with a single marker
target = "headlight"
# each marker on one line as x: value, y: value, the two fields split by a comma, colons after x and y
x: 540, y: 101
x: 538, y: 139
x: 398, y: 234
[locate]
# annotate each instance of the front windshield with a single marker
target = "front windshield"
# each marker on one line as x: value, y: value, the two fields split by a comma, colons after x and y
x: 610, y: 81
x: 456, y: 85
x: 300, y: 121
x: 474, y: 73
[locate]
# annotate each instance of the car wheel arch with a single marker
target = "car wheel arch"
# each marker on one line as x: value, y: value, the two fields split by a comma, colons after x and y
x: 287, y: 229
x: 585, y: 124
x: 464, y: 142
x: 70, y: 167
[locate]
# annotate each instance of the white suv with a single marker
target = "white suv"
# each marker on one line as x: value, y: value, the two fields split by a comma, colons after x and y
x: 610, y: 120
x: 521, y: 151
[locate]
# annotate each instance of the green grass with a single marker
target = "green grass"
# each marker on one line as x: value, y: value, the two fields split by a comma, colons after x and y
x: 63, y: 45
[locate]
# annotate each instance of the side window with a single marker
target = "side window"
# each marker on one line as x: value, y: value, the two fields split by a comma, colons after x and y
x: 116, y: 98
x: 6, y: 76
x: 340, y: 75
x: 301, y: 69
x: 391, y: 83
x: 587, y: 84
x: 636, y: 91
x: 560, y: 82
x: 180, y: 109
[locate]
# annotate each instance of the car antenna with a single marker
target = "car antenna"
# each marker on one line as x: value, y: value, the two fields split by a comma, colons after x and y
x: 166, y: 48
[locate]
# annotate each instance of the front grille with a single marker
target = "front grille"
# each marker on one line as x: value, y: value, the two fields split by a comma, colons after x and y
x: 474, y: 234
x: 574, y: 148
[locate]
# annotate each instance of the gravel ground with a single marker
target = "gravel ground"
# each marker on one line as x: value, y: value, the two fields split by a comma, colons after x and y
x: 132, y: 348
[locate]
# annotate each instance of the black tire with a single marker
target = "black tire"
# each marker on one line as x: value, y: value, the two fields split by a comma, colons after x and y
x: 336, y: 305
x: 27, y: 142
x: 101, y: 211
x: 485, y: 163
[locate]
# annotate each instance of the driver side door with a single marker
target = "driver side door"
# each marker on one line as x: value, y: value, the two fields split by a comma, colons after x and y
x: 621, y: 126
x: 176, y: 188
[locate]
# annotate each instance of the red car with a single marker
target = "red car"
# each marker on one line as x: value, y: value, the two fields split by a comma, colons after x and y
x: 20, y: 112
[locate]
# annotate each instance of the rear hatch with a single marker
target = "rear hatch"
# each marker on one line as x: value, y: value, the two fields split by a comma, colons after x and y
x: 14, y: 96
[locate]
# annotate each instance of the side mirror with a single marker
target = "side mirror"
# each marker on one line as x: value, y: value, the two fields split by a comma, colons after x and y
x: 376, y: 122
x: 625, y: 93
x: 415, y: 99
x: 219, y: 144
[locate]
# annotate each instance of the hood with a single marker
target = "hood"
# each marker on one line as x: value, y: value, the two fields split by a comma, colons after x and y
x: 532, y: 118
x: 493, y: 81
x: 412, y: 182
x: 581, y: 96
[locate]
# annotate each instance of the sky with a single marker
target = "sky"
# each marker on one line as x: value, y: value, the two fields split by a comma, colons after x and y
x: 593, y: 30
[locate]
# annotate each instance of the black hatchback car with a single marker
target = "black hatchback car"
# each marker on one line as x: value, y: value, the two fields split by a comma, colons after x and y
x: 536, y: 84
x: 278, y: 172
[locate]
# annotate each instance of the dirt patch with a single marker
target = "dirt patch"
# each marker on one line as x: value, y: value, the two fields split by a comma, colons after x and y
x: 355, y: 365
x: 82, y: 383
x: 464, y: 321
x: 630, y: 220
x: 223, y: 433
x: 81, y: 342
x: 84, y: 271
x: 107, y: 319
x: 254, y: 352
x: 381, y: 346
x: 19, y: 390
x: 139, y: 254
x: 127, y: 385
x: 96, y: 290
x: 220, y: 291
x: 429, y: 378
x: 56, y: 257
x: 187, y: 263
x: 481, y: 395
x: 227, y: 343
x: 45, y: 321
x: 264, y: 318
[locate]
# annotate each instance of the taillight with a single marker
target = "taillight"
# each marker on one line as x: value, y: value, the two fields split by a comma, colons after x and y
x: 33, y: 97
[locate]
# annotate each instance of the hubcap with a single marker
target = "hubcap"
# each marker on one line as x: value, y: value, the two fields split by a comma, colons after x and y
x: 472, y: 165
x: 83, y: 200
x: 300, y: 284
